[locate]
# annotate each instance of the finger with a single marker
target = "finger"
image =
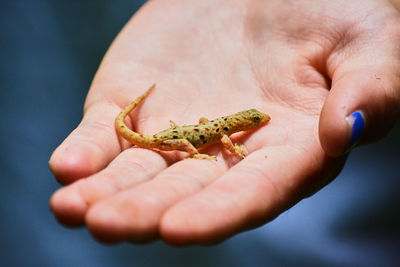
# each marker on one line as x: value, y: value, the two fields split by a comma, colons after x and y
x: 254, y: 191
x: 134, y: 213
x: 363, y: 103
x: 90, y: 147
x: 130, y: 168
x: 396, y: 4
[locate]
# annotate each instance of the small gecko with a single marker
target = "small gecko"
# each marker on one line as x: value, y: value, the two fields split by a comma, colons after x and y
x: 190, y: 137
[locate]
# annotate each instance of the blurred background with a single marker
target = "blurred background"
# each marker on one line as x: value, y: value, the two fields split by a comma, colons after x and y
x: 49, y: 53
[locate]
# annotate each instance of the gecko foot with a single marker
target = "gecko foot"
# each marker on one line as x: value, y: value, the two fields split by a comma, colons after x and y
x: 239, y: 151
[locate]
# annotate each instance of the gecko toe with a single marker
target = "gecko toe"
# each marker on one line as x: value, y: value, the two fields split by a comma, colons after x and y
x: 204, y: 156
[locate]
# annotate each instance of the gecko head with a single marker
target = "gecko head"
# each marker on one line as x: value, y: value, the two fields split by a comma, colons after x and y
x: 256, y: 118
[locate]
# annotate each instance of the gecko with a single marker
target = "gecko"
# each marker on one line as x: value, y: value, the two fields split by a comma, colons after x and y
x: 189, y: 138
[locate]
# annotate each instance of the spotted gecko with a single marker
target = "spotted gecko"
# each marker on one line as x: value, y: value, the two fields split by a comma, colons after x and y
x: 190, y: 137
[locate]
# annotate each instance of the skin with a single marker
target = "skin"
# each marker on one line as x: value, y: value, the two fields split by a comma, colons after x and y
x: 308, y: 63
x: 190, y: 137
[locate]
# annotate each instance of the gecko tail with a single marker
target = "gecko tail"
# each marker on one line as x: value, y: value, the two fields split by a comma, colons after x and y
x: 122, y: 128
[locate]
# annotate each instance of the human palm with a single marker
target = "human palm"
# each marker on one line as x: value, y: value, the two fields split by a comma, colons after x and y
x: 210, y: 59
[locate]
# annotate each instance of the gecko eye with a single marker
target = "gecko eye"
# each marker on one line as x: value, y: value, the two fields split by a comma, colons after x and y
x: 256, y: 119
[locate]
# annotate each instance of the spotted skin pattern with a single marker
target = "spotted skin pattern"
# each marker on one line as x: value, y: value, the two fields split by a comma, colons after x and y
x: 190, y: 137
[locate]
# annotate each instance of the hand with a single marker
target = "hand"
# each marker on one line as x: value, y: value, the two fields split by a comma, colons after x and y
x: 307, y: 64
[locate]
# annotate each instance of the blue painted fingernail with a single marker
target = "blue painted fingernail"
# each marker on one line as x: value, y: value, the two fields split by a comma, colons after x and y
x: 356, y: 122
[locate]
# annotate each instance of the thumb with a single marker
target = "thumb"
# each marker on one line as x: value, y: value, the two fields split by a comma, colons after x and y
x: 364, y: 101
x: 361, y: 108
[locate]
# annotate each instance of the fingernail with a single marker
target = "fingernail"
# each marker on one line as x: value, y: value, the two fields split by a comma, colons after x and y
x: 356, y: 121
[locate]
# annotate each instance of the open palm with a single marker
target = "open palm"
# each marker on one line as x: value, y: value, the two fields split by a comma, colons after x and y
x: 211, y: 59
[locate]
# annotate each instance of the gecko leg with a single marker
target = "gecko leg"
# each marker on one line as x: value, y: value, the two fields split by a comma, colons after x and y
x: 203, y: 120
x: 184, y: 145
x: 233, y: 148
x: 172, y: 124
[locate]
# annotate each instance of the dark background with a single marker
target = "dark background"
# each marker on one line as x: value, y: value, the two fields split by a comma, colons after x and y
x: 49, y: 52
